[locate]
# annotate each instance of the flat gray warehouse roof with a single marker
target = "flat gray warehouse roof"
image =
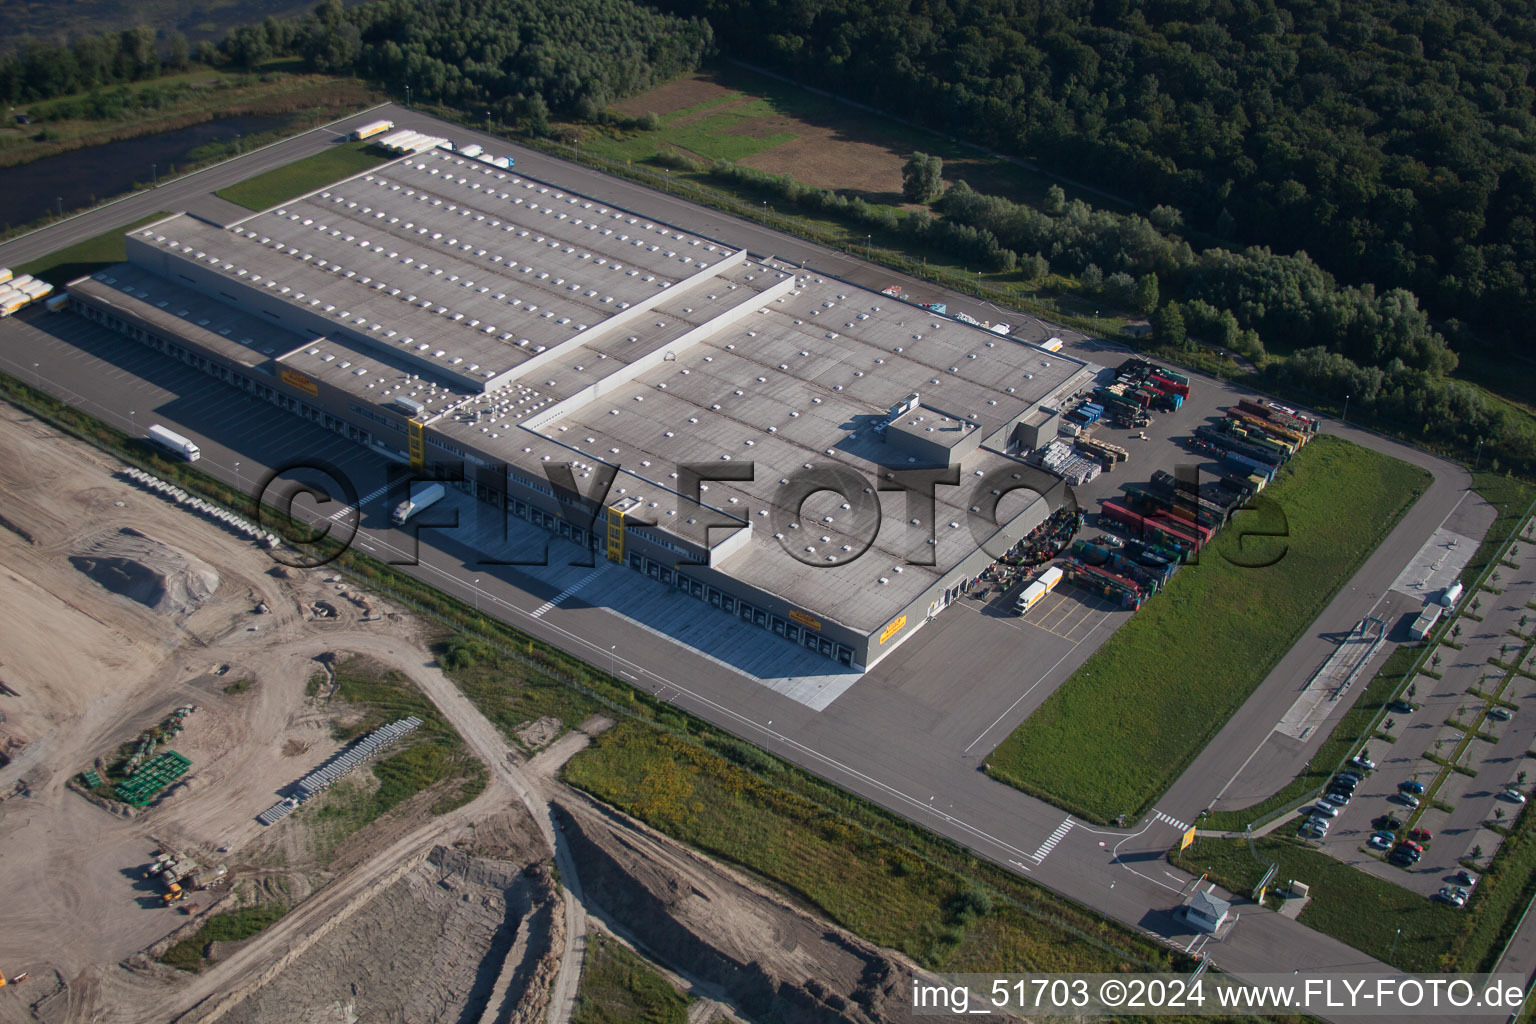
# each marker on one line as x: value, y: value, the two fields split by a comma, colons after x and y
x: 538, y: 327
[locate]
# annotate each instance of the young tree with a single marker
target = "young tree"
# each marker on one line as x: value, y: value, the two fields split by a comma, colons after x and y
x: 181, y: 52
x: 1168, y: 326
x: 922, y: 178
x: 1055, y: 201
x: 1146, y: 294
x: 1166, y: 218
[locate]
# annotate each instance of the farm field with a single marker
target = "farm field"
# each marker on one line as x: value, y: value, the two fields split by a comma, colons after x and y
x: 759, y: 122
x: 295, y: 179
x: 1122, y: 728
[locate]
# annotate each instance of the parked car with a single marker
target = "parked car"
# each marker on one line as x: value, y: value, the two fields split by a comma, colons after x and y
x: 1451, y: 896
x: 1409, y: 844
x: 1346, y: 782
x: 1464, y: 878
x: 1513, y: 795
x: 1423, y: 835
x: 1326, y: 809
x: 1402, y: 707
x: 1386, y: 834
x: 1309, y: 830
x: 1401, y: 857
x: 1352, y: 774
x: 1406, y: 850
x: 1361, y: 761
x: 1379, y: 841
x: 1388, y: 821
x: 1500, y: 714
x: 1334, y: 796
x: 1407, y: 799
x: 1412, y: 786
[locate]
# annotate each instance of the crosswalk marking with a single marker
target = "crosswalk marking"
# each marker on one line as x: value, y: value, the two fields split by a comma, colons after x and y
x: 567, y: 592
x: 1175, y: 822
x: 1051, y: 840
x: 360, y: 503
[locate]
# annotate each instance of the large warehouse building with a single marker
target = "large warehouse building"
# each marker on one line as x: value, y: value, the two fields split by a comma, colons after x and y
x: 447, y: 311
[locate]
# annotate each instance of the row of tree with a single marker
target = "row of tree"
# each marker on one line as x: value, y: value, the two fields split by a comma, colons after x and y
x: 515, y: 59
x: 43, y: 70
x: 1393, y: 139
x: 1276, y: 296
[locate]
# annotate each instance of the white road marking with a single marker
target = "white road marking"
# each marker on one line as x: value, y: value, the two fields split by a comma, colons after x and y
x: 567, y: 592
x: 1051, y: 840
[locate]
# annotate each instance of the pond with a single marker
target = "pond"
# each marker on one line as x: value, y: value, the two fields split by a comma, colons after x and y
x: 84, y: 177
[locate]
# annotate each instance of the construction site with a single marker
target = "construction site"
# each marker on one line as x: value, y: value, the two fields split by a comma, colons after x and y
x: 165, y: 681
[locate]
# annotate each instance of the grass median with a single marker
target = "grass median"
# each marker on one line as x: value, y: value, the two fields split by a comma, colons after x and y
x: 281, y: 184
x: 1116, y: 734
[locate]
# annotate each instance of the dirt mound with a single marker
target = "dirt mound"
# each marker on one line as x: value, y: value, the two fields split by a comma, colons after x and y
x: 775, y: 965
x: 145, y: 570
x: 426, y: 949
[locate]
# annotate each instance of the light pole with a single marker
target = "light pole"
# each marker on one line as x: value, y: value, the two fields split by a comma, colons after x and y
x: 477, y: 595
x: 612, y: 649
x: 407, y: 95
x: 153, y: 168
x: 1345, y: 417
x: 1479, y: 460
x: 868, y: 241
x: 37, y: 378
x: 60, y: 201
x: 1394, y: 945
x: 237, y: 475
x: 133, y: 422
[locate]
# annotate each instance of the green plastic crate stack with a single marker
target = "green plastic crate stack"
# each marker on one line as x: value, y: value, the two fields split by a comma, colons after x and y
x: 152, y: 777
x: 91, y: 778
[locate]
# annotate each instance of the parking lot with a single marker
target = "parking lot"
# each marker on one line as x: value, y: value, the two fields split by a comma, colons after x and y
x: 1449, y: 718
x: 1069, y: 612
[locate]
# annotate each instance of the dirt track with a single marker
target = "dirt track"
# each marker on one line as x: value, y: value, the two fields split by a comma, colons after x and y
x: 93, y: 668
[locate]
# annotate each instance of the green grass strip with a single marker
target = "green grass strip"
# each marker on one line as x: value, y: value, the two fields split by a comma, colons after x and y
x: 281, y: 184
x: 1113, y: 737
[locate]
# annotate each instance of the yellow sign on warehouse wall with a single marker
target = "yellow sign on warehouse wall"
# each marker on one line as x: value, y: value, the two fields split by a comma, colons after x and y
x: 894, y: 628
x: 295, y: 379
x: 805, y: 620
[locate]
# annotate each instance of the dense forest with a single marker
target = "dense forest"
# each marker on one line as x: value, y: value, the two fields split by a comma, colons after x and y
x: 517, y: 59
x: 43, y: 70
x: 1392, y: 140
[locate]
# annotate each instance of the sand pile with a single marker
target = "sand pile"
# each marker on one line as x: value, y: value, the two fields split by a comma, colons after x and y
x: 154, y: 574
